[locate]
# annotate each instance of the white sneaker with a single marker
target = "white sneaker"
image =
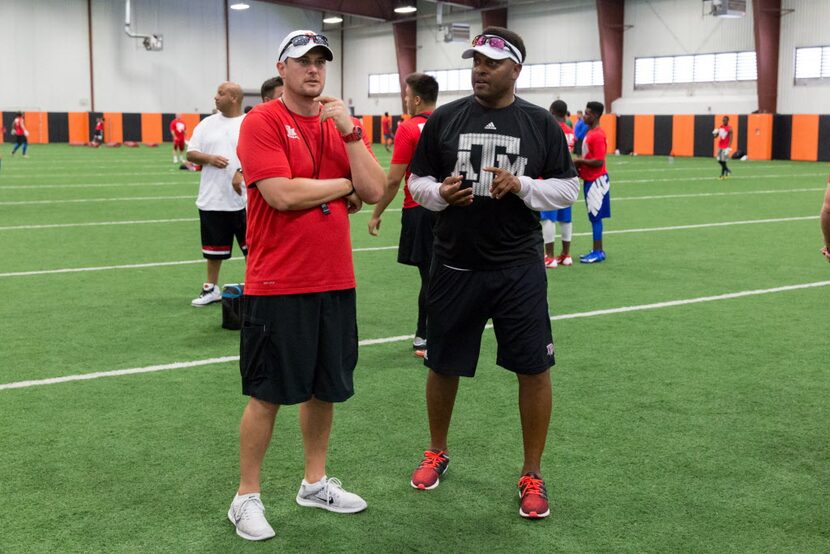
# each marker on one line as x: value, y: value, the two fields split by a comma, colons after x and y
x: 248, y: 516
x: 210, y: 294
x: 329, y: 495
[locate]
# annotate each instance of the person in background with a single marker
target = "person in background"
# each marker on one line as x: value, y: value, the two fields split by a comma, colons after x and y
x: 98, y: 133
x: 271, y: 89
x: 580, y: 130
x: 563, y: 217
x: 595, y: 182
x: 178, y: 128
x: 825, y: 222
x: 386, y: 130
x: 21, y: 134
x: 723, y: 135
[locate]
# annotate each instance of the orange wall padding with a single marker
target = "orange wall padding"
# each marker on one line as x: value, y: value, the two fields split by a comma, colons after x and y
x: 759, y: 136
x: 644, y: 135
x: 367, y: 126
x: 38, y: 125
x: 733, y: 122
x: 78, y: 127
x: 191, y: 120
x: 151, y: 128
x: 113, y: 130
x: 683, y: 135
x: 608, y: 122
x: 804, y: 144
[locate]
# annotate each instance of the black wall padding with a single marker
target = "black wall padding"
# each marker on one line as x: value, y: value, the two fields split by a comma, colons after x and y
x: 58, y: 126
x: 743, y: 125
x: 625, y: 134
x: 662, y: 135
x: 824, y: 138
x: 203, y: 115
x: 166, y: 118
x: 704, y: 141
x: 782, y: 132
x: 131, y: 125
x: 8, y: 119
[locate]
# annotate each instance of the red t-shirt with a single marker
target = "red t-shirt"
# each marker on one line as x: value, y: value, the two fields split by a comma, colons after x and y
x: 406, y: 140
x: 594, y: 146
x: 569, y: 135
x: 18, y: 127
x: 99, y: 126
x: 724, y: 140
x: 386, y: 124
x: 178, y: 128
x: 298, y: 251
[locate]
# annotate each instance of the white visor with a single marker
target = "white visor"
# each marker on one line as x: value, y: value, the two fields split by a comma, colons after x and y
x: 510, y: 52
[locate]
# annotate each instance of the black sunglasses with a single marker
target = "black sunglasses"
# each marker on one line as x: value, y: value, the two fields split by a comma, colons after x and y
x: 302, y: 40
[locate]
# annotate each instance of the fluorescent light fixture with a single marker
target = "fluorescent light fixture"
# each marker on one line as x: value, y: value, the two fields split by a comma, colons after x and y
x: 333, y: 19
x: 406, y: 8
x: 240, y: 6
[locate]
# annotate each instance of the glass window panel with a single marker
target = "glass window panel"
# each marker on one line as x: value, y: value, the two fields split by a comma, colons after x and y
x: 644, y: 71
x: 537, y: 75
x: 524, y: 79
x: 747, y: 70
x: 704, y: 68
x: 465, y: 79
x: 441, y: 77
x: 374, y: 84
x: 663, y: 70
x: 552, y: 75
x: 726, y: 66
x: 568, y: 75
x: 684, y: 69
x: 825, y: 62
x: 584, y: 74
x: 807, y: 63
x: 452, y: 79
x: 597, y: 78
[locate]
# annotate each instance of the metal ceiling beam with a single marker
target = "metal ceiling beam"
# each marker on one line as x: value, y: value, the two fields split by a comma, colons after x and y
x: 381, y: 10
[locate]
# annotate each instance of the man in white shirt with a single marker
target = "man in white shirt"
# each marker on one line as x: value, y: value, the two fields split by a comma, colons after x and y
x: 221, y: 199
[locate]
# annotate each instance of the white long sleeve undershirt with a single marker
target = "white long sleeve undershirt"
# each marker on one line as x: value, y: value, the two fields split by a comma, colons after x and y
x: 537, y: 194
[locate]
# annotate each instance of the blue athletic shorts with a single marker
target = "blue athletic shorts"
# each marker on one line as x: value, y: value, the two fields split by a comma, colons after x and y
x: 562, y: 216
x: 598, y: 197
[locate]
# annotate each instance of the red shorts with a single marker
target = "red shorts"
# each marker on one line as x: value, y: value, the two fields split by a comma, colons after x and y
x: 178, y: 144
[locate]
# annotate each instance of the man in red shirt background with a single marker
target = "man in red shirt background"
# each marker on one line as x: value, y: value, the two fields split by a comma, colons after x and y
x: 386, y: 130
x: 307, y: 166
x: 178, y: 128
x: 723, y: 135
x: 595, y: 183
x: 415, y: 245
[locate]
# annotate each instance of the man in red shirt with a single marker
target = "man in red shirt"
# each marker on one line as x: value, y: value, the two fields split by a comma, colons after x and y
x: 386, y: 130
x: 723, y: 134
x: 178, y: 128
x: 307, y: 166
x: 21, y: 134
x: 98, y: 134
x: 825, y: 222
x: 595, y: 182
x: 415, y: 245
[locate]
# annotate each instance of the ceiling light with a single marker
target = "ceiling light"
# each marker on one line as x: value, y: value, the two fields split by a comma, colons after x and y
x: 333, y: 19
x: 240, y: 6
x: 406, y: 8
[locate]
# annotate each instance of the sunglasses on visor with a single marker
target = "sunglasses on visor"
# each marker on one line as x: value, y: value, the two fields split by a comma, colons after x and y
x: 498, y: 43
x: 302, y: 40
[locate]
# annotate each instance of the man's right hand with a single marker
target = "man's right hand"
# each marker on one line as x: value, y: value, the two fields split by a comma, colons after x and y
x: 826, y: 252
x: 219, y: 161
x: 452, y: 192
x: 374, y: 226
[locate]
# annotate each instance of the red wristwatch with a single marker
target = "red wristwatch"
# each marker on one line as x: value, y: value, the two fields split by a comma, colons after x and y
x: 355, y: 135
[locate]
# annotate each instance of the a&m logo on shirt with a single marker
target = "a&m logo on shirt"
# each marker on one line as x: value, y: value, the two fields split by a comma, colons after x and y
x: 290, y: 132
x: 496, y: 150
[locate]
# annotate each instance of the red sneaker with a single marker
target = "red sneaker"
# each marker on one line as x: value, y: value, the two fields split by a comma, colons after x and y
x: 550, y: 263
x: 534, y: 497
x: 567, y: 261
x: 434, y: 465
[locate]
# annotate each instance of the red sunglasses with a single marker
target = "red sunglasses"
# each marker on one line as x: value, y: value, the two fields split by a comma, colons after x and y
x: 496, y: 42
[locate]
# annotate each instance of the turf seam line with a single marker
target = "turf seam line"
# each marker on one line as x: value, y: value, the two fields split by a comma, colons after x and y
x: 85, y: 200
x: 402, y: 338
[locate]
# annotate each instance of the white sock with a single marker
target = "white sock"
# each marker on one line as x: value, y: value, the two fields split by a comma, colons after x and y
x: 317, y: 485
x: 548, y: 231
x: 566, y: 230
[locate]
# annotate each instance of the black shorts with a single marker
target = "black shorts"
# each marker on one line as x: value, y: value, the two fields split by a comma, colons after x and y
x: 21, y: 139
x: 461, y: 302
x: 296, y: 346
x: 218, y: 230
x: 415, y: 245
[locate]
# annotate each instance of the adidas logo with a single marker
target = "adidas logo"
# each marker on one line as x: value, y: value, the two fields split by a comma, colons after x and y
x: 490, y: 127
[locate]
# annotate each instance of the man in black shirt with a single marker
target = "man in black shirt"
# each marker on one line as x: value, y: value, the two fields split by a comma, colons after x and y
x: 488, y: 163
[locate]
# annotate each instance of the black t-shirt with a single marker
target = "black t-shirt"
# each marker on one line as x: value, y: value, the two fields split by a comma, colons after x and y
x: 462, y: 137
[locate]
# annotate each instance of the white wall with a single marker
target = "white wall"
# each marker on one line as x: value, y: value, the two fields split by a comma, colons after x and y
x: 806, y: 26
x: 44, y: 63
x: 675, y: 27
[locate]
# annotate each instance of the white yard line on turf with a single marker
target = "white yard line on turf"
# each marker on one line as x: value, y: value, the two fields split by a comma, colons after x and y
x: 402, y: 338
x: 96, y: 185
x: 99, y: 223
x: 84, y: 200
x: 684, y: 179
x: 380, y: 248
x: 707, y: 194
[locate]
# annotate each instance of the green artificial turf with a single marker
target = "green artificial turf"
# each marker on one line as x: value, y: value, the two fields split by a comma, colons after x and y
x: 685, y: 428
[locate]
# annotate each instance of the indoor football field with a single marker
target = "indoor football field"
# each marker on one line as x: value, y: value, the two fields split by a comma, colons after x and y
x: 690, y: 390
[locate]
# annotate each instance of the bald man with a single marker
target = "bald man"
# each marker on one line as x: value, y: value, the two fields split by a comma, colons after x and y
x: 221, y: 199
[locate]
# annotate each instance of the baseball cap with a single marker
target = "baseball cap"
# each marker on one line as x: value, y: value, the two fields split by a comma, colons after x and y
x: 494, y: 47
x: 298, y: 43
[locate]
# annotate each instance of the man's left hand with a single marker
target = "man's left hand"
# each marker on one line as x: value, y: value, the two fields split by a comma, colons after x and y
x: 503, y: 183
x: 354, y: 203
x: 333, y: 108
x: 826, y: 252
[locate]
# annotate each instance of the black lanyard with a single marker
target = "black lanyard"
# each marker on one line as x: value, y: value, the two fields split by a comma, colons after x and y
x: 316, y: 164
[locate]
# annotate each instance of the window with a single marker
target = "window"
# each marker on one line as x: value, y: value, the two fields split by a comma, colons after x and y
x: 384, y: 83
x: 812, y: 63
x: 541, y: 75
x: 697, y: 68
